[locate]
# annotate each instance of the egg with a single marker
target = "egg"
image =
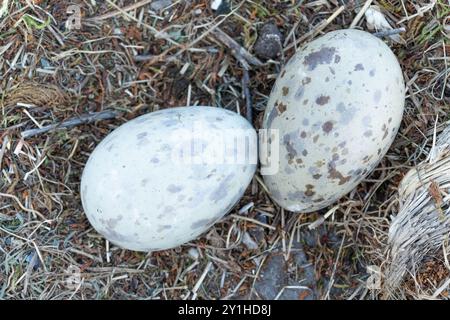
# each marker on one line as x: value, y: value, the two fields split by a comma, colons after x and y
x: 335, y: 108
x: 164, y: 178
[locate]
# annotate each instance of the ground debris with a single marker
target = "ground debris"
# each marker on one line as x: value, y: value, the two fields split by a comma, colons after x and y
x: 269, y: 43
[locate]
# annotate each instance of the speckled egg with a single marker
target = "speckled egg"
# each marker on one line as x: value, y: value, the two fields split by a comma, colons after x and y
x: 337, y: 106
x: 164, y: 178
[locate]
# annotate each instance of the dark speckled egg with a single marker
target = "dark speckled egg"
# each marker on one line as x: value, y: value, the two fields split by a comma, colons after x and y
x: 164, y: 178
x: 337, y: 106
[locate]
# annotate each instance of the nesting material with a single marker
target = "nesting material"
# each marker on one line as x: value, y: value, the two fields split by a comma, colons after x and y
x: 423, y: 222
x: 36, y: 94
x: 377, y: 21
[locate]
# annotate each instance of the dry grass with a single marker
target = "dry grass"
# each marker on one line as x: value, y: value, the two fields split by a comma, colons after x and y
x: 136, y: 61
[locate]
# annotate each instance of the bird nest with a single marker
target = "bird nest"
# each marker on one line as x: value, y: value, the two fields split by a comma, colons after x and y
x: 422, y: 226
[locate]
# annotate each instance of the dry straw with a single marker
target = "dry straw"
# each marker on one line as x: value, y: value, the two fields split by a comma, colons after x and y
x: 422, y: 225
x: 35, y: 94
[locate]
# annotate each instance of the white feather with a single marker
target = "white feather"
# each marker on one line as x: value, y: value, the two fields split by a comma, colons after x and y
x: 377, y: 21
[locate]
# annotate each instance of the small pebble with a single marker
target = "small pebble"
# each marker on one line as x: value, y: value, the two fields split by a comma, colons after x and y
x: 158, y: 5
x: 249, y: 242
x: 269, y: 43
x: 246, y: 208
x: 193, y: 253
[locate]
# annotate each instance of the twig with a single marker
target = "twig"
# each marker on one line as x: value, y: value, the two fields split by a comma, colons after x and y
x: 200, y: 280
x: 248, y: 96
x: 40, y: 215
x: 321, y: 219
x: 3, y: 149
x: 83, y: 119
x: 419, y: 12
x: 148, y: 57
x: 87, y: 255
x: 122, y: 10
x: 156, y: 33
x: 361, y: 13
x: 253, y: 221
x: 388, y: 33
x: 316, y: 29
x: 330, y: 285
x: 245, y: 58
x: 238, y: 51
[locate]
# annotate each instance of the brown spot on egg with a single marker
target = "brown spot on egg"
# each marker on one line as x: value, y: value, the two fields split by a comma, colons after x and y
x: 322, y: 100
x: 320, y: 163
x: 323, y: 56
x: 303, y: 135
x: 309, y: 190
x: 317, y: 176
x: 306, y: 81
x: 327, y: 127
x: 337, y: 58
x: 316, y: 138
x: 283, y: 73
x: 305, y: 102
x: 285, y: 91
x: 333, y: 173
x: 281, y: 107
